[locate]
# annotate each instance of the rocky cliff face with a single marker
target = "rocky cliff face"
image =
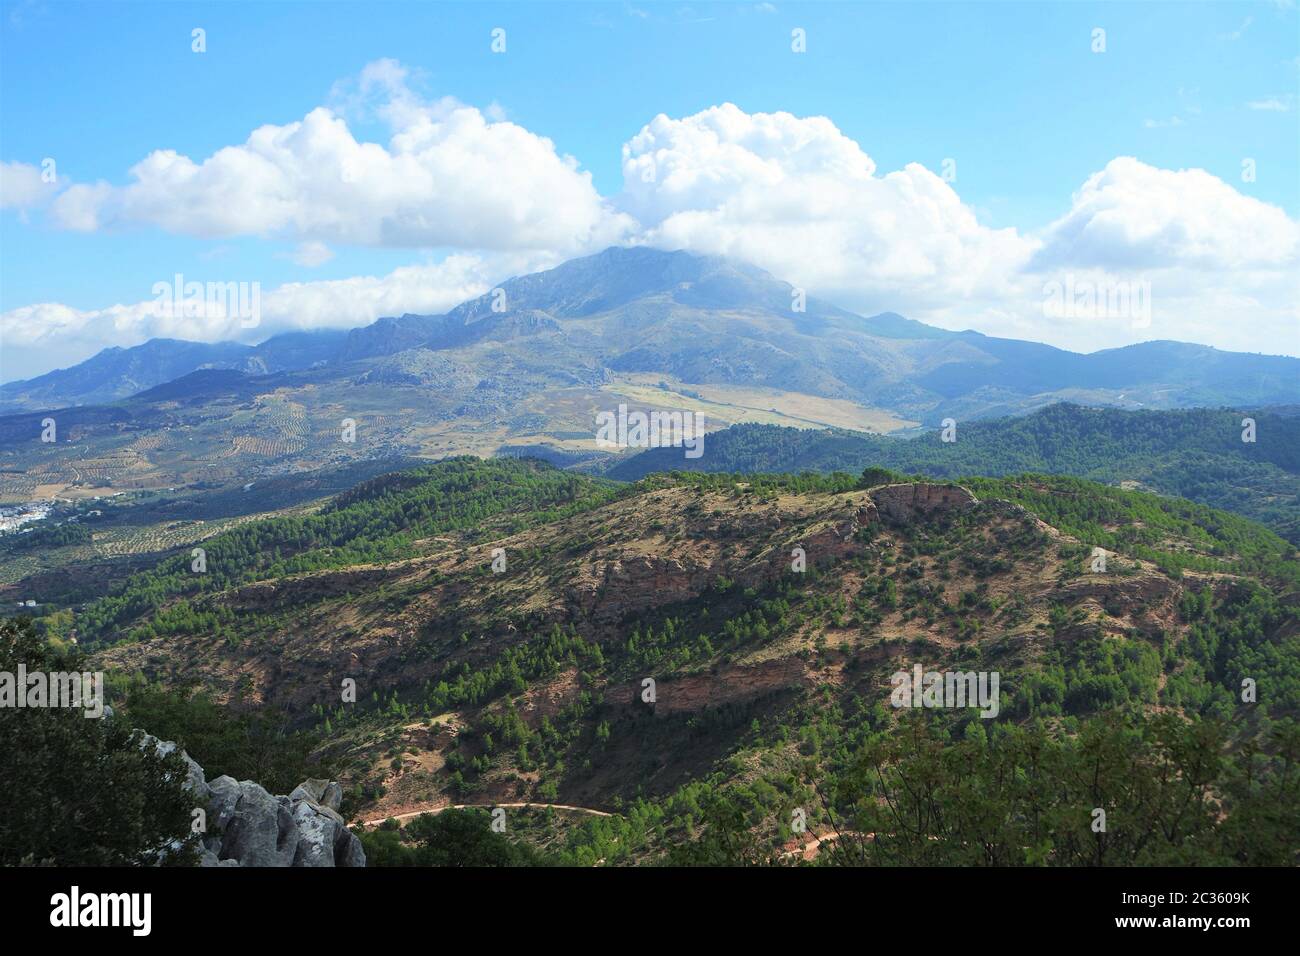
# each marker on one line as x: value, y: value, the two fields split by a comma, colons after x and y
x: 614, y: 587
x: 906, y: 502
x: 304, y: 588
x: 1147, y: 598
x: 247, y: 826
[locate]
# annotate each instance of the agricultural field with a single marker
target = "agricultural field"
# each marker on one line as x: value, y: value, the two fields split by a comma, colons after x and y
x: 137, y: 528
x: 739, y: 403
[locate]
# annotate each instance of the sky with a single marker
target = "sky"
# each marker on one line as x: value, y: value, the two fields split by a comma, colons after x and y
x: 1087, y: 175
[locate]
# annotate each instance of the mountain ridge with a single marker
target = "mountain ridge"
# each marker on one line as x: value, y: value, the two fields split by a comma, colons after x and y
x: 740, y: 316
x: 538, y: 364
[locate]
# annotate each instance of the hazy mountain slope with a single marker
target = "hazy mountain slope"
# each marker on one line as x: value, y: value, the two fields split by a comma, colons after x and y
x: 295, y: 350
x: 636, y: 327
x: 696, y: 318
x: 1187, y: 374
x: 116, y: 373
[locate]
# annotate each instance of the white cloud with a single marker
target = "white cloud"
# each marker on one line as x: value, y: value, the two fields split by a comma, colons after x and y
x: 1274, y: 104
x: 1132, y: 215
x: 449, y: 177
x: 312, y: 254
x: 1222, y: 268
x: 23, y: 186
x: 791, y: 194
x: 799, y: 198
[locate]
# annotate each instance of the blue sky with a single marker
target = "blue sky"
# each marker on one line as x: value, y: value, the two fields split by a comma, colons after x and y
x: 1013, y: 93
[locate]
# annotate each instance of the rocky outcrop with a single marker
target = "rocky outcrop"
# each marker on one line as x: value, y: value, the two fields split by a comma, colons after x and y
x: 247, y: 826
x: 616, y: 584
x: 728, y: 684
x: 306, y: 588
x: 907, y: 502
x: 615, y: 587
x: 1149, y: 600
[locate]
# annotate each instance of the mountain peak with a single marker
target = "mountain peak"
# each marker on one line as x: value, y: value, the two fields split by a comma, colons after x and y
x: 620, y: 274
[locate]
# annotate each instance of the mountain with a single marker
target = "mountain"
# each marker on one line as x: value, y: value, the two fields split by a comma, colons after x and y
x: 116, y: 373
x: 529, y: 367
x: 697, y: 319
x: 650, y: 659
x: 707, y: 320
x: 1196, y: 454
x: 1198, y: 374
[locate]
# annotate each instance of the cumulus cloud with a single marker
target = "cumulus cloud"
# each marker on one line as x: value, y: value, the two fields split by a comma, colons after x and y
x: 23, y: 186
x: 1131, y: 215
x: 799, y: 198
x: 1219, y: 267
x: 794, y: 195
x: 448, y: 177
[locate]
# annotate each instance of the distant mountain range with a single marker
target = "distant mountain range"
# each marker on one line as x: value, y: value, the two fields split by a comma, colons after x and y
x: 698, y: 320
x: 117, y: 373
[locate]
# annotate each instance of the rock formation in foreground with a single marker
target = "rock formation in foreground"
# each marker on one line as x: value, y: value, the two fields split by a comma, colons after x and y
x: 246, y: 826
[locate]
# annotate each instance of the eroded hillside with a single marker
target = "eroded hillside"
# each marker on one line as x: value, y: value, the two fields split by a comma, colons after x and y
x: 751, y: 604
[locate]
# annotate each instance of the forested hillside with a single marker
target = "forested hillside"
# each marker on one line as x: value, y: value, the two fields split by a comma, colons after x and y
x: 497, y: 686
x: 1196, y: 454
x: 379, y: 520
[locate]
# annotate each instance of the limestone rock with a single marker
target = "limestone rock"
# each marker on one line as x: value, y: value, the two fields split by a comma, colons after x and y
x: 221, y: 804
x: 262, y: 831
x: 311, y: 789
x: 333, y: 797
x: 317, y: 834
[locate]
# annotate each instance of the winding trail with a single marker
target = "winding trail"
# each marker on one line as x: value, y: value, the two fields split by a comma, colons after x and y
x: 482, y: 806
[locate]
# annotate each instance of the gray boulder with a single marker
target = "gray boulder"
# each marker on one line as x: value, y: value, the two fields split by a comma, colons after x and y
x: 312, y: 790
x: 262, y: 831
x: 323, y: 835
x: 348, y: 850
x: 333, y: 797
x: 223, y: 796
x: 317, y: 834
x: 246, y: 826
